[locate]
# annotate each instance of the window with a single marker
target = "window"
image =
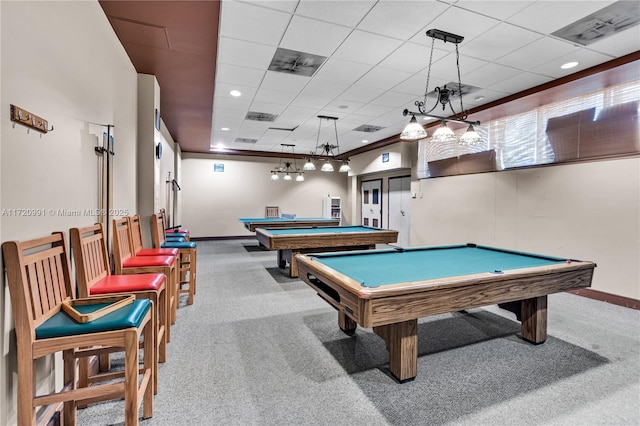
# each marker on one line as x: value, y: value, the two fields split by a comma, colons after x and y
x: 597, y: 124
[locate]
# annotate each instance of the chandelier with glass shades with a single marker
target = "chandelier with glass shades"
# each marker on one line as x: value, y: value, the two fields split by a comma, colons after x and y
x: 414, y: 131
x: 327, y: 150
x: 287, y: 167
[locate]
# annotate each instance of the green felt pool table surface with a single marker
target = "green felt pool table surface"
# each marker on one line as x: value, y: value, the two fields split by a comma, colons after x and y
x: 388, y: 290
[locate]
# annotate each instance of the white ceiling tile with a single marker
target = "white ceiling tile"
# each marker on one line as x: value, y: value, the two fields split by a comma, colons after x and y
x: 371, y: 110
x: 274, y: 96
x: 540, y: 51
x: 224, y: 89
x: 417, y: 84
x: 446, y: 68
x: 347, y: 13
x: 253, y: 23
x: 307, y: 101
x: 244, y: 53
x: 323, y: 88
x: 498, y: 42
x: 341, y: 71
x: 236, y: 104
x: 384, y: 78
x: 518, y: 83
x: 338, y: 105
x: 489, y: 74
x: 359, y: 93
x: 284, y: 5
x: 401, y: 19
x: 585, y: 57
x: 284, y: 81
x: 366, y: 48
x: 549, y: 16
x: 498, y: 9
x: 393, y: 99
x: 311, y: 36
x: 233, y: 74
x: 267, y: 107
x: 411, y: 57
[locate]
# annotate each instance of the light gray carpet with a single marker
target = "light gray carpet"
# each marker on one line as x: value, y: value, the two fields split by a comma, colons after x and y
x: 260, y: 348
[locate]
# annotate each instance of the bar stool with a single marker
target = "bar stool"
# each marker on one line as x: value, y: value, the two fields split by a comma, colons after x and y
x: 127, y: 263
x: 93, y: 277
x: 188, y: 257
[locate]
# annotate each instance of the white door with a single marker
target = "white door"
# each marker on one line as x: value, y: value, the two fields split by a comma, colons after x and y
x: 399, y: 203
x: 371, y: 192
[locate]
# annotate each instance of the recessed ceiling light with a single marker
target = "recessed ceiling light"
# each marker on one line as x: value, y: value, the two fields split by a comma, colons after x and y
x: 225, y: 129
x: 569, y: 65
x: 478, y: 98
x: 235, y: 93
x: 364, y: 141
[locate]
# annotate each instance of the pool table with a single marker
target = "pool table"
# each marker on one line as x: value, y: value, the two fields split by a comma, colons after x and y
x: 251, y: 223
x: 292, y: 241
x: 390, y: 289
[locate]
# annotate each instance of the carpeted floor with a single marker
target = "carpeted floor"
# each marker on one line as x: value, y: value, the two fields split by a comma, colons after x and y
x: 260, y: 348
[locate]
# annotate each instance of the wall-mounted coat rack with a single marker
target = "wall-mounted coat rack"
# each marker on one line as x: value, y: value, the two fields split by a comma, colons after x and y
x: 22, y: 116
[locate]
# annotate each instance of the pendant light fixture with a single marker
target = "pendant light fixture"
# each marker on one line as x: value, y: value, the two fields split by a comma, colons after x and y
x: 443, y: 98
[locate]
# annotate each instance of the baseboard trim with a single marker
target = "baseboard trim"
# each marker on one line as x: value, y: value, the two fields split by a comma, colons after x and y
x: 614, y: 299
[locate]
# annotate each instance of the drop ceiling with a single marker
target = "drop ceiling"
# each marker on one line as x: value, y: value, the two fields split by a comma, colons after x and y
x: 376, y: 64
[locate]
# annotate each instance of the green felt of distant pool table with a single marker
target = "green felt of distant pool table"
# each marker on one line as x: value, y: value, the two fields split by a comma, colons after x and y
x: 291, y: 241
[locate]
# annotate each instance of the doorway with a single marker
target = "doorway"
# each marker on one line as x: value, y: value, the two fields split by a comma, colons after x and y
x: 399, y: 207
x: 371, y: 207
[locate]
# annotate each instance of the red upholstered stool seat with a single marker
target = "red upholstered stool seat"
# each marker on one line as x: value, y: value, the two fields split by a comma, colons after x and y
x: 128, y: 283
x: 158, y: 252
x: 142, y: 261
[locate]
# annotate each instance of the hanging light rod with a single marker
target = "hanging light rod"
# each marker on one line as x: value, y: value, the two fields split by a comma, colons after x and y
x: 453, y: 120
x: 445, y: 36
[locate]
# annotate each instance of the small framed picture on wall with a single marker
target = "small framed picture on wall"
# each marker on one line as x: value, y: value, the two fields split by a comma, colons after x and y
x: 157, y: 119
x: 385, y: 157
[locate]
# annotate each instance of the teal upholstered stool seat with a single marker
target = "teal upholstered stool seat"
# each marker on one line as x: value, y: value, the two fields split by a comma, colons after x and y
x: 179, y: 244
x: 170, y: 234
x: 175, y: 239
x: 62, y: 324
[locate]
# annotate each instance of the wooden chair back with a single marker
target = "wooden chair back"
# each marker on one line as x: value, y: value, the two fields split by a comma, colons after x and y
x: 272, y: 211
x: 136, y: 233
x: 90, y: 255
x: 157, y: 229
x: 122, y: 244
x: 39, y: 277
x: 163, y: 215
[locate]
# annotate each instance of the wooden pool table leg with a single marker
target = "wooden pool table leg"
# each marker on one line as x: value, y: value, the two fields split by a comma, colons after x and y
x: 534, y: 320
x: 402, y: 342
x: 346, y: 324
x: 282, y: 261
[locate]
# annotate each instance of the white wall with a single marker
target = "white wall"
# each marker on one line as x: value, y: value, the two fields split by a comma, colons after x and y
x: 63, y: 62
x: 212, y: 202
x: 587, y: 211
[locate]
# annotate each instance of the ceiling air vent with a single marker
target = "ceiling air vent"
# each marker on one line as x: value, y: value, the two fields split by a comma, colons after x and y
x: 602, y: 23
x: 294, y: 62
x: 260, y: 116
x: 245, y: 140
x: 367, y: 128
